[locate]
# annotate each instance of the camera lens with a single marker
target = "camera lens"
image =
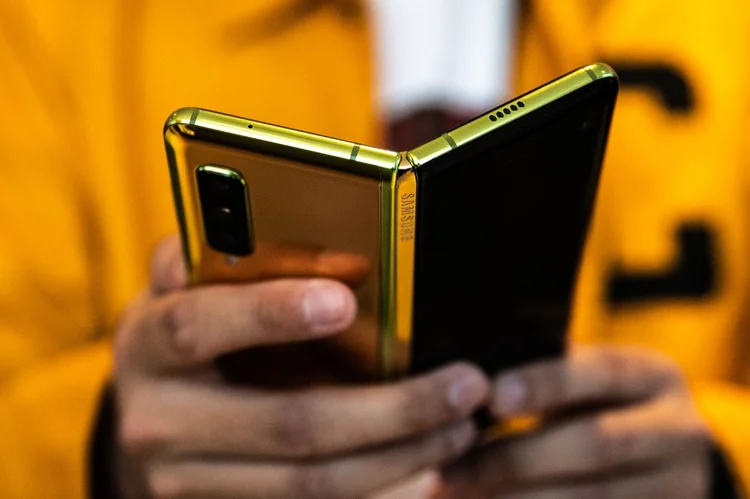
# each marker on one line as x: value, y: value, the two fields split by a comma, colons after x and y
x: 225, y: 205
x: 225, y: 219
x: 229, y: 238
x: 225, y: 213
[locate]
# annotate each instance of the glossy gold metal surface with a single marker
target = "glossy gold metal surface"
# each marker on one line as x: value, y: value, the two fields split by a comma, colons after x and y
x: 319, y: 206
x: 511, y: 111
x: 406, y: 226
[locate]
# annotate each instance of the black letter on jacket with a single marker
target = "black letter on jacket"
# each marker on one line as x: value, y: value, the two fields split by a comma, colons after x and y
x: 692, y: 275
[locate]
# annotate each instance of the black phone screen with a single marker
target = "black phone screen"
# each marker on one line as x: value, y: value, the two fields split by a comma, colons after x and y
x: 501, y: 224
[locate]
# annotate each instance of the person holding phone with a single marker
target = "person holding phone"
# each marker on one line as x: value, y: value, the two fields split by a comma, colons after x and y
x: 85, y: 200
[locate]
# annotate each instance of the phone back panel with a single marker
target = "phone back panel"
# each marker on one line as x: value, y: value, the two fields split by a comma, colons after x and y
x: 317, y: 207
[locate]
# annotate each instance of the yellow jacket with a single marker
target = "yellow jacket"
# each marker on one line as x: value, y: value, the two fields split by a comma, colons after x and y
x: 84, y: 195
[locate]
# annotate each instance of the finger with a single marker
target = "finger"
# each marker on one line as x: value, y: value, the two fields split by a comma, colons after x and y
x: 351, y: 476
x: 422, y: 486
x: 193, y: 327
x: 686, y: 481
x: 183, y: 420
x: 168, y: 271
x: 587, y: 375
x: 647, y: 435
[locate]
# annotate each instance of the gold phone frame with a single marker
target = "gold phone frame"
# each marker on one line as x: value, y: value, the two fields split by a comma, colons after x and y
x: 396, y: 174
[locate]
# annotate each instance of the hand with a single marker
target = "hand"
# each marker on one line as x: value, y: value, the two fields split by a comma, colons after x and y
x: 184, y: 432
x: 620, y: 424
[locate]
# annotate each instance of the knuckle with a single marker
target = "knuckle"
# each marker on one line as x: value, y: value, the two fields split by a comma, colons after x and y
x: 177, y: 314
x: 178, y: 317
x: 619, y: 369
x: 417, y: 406
x: 296, y: 433
x: 167, y: 266
x: 546, y: 386
x: 141, y: 434
x: 697, y: 432
x: 313, y: 482
x: 654, y: 366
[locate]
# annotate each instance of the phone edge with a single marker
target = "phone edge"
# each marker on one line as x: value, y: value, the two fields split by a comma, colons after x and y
x: 417, y: 157
x: 509, y: 112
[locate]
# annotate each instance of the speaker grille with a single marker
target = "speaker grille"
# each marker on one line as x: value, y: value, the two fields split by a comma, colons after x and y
x: 506, y: 111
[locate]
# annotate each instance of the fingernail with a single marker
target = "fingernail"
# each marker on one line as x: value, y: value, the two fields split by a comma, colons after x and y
x: 325, y: 307
x: 510, y: 397
x: 467, y: 392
